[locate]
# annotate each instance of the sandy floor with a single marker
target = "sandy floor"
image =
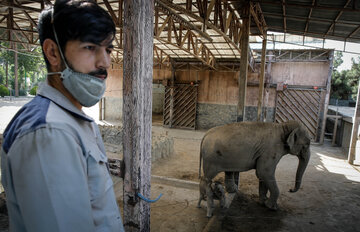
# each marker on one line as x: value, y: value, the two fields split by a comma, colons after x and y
x: 328, y: 200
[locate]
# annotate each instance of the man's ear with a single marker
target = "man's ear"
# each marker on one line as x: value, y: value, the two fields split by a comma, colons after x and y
x: 52, y: 53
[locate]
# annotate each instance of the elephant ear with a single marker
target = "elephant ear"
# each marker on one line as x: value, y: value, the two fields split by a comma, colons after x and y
x: 291, y: 140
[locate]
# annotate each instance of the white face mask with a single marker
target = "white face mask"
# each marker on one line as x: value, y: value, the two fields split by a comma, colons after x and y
x: 85, y: 88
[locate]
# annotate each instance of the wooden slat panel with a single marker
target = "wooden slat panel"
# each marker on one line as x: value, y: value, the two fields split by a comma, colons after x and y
x: 300, y: 105
x: 184, y: 107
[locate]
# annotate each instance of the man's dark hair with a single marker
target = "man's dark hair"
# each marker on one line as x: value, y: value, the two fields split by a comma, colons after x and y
x: 75, y: 20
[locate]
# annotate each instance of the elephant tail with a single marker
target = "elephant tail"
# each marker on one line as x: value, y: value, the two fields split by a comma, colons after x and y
x: 201, y: 151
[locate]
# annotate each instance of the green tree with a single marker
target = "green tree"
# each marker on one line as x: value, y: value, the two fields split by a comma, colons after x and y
x: 30, y: 65
x: 344, y: 84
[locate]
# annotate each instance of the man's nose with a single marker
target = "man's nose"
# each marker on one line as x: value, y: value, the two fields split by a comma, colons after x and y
x: 103, y: 59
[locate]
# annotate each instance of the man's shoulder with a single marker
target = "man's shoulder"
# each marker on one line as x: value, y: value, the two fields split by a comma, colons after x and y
x: 29, y: 117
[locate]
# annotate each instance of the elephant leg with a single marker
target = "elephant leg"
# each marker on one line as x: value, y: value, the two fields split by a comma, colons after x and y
x: 230, y: 185
x: 236, y: 179
x: 262, y: 192
x: 199, y: 202
x: 270, y: 183
x: 209, y: 200
x: 267, y: 181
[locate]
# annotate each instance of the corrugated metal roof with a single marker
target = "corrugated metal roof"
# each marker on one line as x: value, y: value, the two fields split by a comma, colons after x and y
x: 326, y: 19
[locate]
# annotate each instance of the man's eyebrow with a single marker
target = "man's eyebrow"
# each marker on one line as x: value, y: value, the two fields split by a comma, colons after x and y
x: 110, y: 46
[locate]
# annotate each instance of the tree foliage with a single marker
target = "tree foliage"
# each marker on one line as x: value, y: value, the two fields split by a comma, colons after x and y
x: 30, y: 67
x: 344, y: 84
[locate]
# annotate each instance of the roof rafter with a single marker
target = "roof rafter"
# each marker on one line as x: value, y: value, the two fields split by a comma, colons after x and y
x: 199, y: 19
x: 337, y: 18
x: 284, y: 14
x: 353, y: 32
x: 165, y: 8
x: 318, y: 7
x: 19, y: 7
x: 311, y: 19
x: 308, y: 20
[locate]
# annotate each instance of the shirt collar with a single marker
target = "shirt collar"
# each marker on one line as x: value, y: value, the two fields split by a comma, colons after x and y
x: 58, y: 98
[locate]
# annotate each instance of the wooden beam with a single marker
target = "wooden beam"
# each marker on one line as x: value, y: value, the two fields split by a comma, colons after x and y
x: 188, y: 5
x: 337, y: 17
x: 317, y: 7
x: 311, y: 19
x: 314, y: 34
x: 258, y: 17
x: 355, y: 130
x: 244, y: 44
x: 308, y: 18
x: 111, y: 11
x: 164, y: 6
x: 16, y: 70
x: 327, y: 96
x: 199, y: 19
x: 354, y: 32
x: 27, y: 14
x: 137, y: 111
x: 284, y: 14
x: 19, y: 7
x: 228, y: 20
x: 262, y: 78
x: 210, y: 9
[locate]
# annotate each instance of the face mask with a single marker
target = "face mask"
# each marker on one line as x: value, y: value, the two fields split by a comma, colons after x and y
x: 85, y: 88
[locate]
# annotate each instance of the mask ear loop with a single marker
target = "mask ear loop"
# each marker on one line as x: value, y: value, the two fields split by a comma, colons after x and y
x: 56, y: 38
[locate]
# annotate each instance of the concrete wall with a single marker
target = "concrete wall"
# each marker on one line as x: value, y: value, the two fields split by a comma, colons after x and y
x: 114, y: 92
x: 211, y: 115
x: 113, y: 108
x: 158, y: 98
x: 162, y: 145
x: 300, y: 73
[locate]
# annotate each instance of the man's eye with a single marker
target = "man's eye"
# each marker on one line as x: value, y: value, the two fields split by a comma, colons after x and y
x: 109, y: 50
x: 91, y: 48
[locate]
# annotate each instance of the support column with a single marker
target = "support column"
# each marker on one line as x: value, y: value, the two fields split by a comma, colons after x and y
x: 327, y: 96
x: 137, y: 111
x: 355, y: 130
x: 7, y: 73
x: 244, y: 46
x: 262, y: 77
x: 16, y: 67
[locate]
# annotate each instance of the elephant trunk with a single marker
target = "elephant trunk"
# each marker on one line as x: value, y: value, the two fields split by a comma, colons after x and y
x: 303, y: 162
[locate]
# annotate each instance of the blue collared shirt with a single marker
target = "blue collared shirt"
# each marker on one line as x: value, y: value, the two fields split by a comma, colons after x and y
x: 54, y: 169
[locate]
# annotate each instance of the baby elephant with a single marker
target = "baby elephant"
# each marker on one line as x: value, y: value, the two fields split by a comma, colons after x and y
x: 217, y: 193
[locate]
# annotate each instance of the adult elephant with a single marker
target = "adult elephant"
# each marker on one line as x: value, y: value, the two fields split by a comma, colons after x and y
x: 243, y: 146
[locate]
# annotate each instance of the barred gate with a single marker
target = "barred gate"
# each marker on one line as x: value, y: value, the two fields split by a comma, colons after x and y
x: 180, y: 106
x: 301, y: 105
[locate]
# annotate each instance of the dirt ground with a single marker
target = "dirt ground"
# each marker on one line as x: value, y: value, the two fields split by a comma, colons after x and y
x: 329, y: 199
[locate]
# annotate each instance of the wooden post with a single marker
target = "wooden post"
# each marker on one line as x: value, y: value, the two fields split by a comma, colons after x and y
x: 16, y: 66
x: 244, y: 45
x: 262, y: 77
x: 327, y: 96
x: 355, y: 130
x: 7, y: 73
x: 268, y: 82
x: 137, y: 110
x: 172, y: 93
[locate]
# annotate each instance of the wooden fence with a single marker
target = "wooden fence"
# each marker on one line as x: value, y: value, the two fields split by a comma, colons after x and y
x: 180, y: 106
x: 302, y: 105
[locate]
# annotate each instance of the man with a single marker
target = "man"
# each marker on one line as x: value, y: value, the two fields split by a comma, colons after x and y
x: 53, y: 162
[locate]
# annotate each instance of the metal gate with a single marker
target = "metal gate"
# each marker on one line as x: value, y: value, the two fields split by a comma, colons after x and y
x: 180, y: 106
x: 301, y: 105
